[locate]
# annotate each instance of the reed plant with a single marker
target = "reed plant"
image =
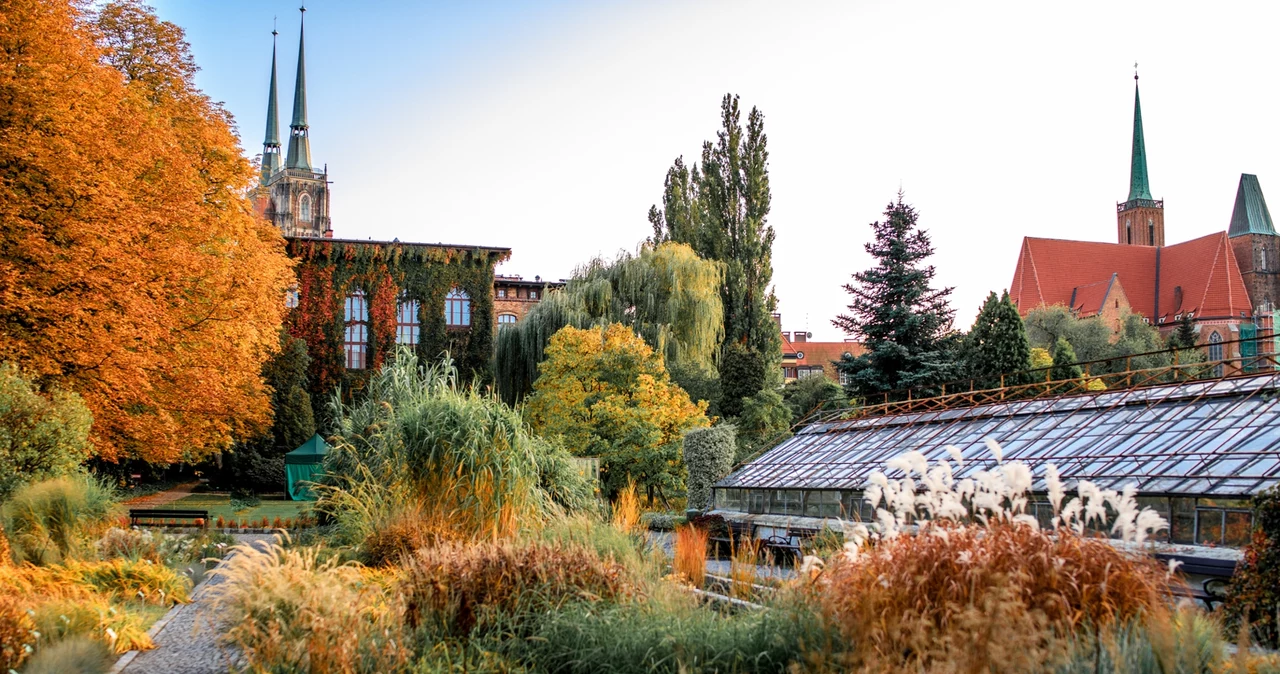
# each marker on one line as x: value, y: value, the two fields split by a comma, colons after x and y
x: 690, y: 562
x: 57, y: 519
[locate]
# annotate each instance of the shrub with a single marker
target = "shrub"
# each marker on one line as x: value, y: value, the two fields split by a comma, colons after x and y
x: 806, y: 395
x: 708, y: 455
x: 56, y: 519
x: 691, y: 555
x: 77, y: 654
x: 461, y: 590
x: 765, y: 421
x: 1253, y: 596
x: 288, y: 611
x: 17, y: 631
x: 45, y: 436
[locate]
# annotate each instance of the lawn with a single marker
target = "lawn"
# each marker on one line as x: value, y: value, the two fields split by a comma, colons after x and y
x: 219, y: 505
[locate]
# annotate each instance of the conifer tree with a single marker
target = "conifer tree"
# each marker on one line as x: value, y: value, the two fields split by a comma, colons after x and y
x: 903, y: 322
x: 997, y: 344
x: 1184, y: 337
x: 1064, y: 361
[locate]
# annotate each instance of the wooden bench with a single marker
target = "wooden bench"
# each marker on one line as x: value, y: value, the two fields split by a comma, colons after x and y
x: 162, y: 517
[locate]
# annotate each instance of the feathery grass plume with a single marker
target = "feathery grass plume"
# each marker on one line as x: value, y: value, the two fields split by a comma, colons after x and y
x: 289, y: 611
x: 626, y: 510
x: 691, y: 554
x: 57, y: 519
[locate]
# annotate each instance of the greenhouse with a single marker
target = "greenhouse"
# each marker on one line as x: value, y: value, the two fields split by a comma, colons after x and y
x: 1196, y: 451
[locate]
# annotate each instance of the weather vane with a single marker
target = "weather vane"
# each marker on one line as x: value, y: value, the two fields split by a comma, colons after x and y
x: 273, y: 25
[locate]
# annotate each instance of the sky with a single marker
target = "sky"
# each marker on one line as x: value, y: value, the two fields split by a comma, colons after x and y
x: 548, y: 127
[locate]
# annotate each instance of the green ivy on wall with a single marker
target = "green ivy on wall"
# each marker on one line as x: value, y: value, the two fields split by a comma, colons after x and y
x: 329, y: 270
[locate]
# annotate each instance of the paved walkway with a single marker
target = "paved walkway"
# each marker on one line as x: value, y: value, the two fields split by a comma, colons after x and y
x: 162, y: 497
x: 188, y: 641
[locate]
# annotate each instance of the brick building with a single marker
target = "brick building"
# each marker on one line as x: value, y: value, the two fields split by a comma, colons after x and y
x: 802, y: 358
x: 513, y: 296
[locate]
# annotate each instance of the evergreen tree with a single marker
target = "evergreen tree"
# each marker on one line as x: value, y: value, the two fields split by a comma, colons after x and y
x: 721, y: 211
x: 1064, y: 361
x: 1184, y: 337
x: 742, y: 375
x: 902, y: 321
x: 997, y: 344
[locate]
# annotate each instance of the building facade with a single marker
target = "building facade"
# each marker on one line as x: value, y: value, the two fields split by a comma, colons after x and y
x: 803, y: 358
x: 513, y: 297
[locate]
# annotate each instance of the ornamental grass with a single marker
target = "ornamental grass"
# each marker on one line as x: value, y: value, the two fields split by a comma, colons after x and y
x: 690, y: 562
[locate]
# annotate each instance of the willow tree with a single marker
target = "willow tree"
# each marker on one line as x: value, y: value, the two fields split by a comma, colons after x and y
x: 667, y: 294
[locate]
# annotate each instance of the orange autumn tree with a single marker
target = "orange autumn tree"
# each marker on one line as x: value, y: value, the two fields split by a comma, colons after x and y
x: 604, y: 392
x: 132, y: 268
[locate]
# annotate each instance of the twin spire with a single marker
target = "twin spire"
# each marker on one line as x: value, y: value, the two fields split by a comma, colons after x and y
x: 299, y: 156
x: 1139, y: 184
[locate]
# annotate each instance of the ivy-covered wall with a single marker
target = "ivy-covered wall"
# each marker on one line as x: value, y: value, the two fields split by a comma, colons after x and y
x: 330, y: 269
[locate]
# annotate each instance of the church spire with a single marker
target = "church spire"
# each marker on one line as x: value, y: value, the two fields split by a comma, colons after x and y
x: 299, y: 145
x: 271, y: 143
x: 1139, y: 185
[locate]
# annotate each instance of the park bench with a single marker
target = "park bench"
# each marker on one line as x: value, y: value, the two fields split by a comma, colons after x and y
x: 161, y: 518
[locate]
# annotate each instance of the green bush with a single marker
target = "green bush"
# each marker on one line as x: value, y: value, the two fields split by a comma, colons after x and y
x: 40, y: 437
x: 805, y: 395
x: 57, y: 519
x: 1254, y: 593
x: 708, y: 455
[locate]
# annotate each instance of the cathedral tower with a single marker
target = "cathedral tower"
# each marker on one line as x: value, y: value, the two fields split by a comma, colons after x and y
x: 299, y: 195
x: 1140, y: 219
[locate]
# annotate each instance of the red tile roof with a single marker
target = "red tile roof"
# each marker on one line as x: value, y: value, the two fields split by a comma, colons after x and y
x: 824, y: 353
x: 1087, y: 299
x: 1049, y: 271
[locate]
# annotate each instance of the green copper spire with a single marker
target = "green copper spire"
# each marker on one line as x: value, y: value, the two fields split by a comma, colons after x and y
x: 1250, y: 215
x: 271, y: 144
x: 299, y: 145
x: 1139, y: 185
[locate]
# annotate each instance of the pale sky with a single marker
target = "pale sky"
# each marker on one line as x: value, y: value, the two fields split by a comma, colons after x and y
x: 548, y: 127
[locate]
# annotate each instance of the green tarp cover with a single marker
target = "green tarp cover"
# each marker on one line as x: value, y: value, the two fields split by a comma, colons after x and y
x: 304, y: 465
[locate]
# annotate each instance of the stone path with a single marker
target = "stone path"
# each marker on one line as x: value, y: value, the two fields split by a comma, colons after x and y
x: 162, y: 497
x: 187, y: 641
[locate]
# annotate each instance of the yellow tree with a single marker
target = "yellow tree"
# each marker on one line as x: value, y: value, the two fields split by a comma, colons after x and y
x: 132, y: 268
x: 605, y: 393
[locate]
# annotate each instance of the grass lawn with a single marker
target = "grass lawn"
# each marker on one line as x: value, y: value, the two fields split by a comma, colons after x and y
x: 219, y: 505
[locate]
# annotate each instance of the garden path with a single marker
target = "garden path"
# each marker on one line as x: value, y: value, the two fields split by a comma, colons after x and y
x: 187, y: 641
x: 180, y: 491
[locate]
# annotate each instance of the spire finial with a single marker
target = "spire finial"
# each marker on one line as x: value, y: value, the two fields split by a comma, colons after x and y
x: 1135, y: 71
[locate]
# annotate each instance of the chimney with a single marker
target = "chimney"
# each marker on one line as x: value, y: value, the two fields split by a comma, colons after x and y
x: 800, y: 337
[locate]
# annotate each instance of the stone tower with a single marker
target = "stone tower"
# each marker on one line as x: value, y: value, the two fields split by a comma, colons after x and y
x: 1255, y: 244
x: 1140, y: 219
x: 297, y: 196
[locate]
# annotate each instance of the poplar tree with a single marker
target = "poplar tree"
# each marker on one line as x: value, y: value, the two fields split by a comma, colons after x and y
x: 903, y: 322
x: 997, y: 344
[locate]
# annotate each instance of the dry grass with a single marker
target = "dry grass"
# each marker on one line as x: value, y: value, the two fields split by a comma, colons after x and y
x: 16, y: 632
x: 6, y: 554
x: 290, y: 611
x: 993, y: 597
x: 691, y: 554
x: 626, y: 510
x: 459, y: 589
x: 742, y: 567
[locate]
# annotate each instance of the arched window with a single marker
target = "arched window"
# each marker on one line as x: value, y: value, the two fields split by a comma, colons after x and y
x: 1151, y: 232
x: 457, y: 308
x: 506, y: 319
x: 407, y: 326
x: 356, y: 339
x: 1128, y: 231
x: 304, y: 210
x: 1215, y: 352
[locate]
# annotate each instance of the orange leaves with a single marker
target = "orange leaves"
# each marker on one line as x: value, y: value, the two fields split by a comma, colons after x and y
x: 132, y: 270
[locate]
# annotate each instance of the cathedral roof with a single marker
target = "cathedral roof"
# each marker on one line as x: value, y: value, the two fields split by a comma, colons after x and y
x: 1200, y: 275
x: 1250, y: 215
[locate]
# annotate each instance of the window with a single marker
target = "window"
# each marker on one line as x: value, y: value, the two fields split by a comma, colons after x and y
x: 1151, y: 232
x: 533, y: 294
x: 1128, y: 231
x: 788, y: 373
x: 846, y: 380
x: 457, y: 308
x: 407, y: 327
x: 356, y: 314
x: 506, y: 319
x: 502, y: 292
x: 304, y: 210
x: 1215, y: 351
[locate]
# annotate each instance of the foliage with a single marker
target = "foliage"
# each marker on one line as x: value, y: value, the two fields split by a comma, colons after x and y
x: 742, y: 375
x: 605, y: 393
x: 1040, y: 358
x: 17, y: 632
x: 62, y: 604
x: 134, y: 270
x: 331, y: 270
x: 1092, y: 339
x: 900, y: 319
x: 56, y: 519
x: 1184, y: 640
x: 1064, y: 361
x: 765, y: 421
x: 42, y: 437
x: 76, y: 654
x: 665, y: 293
x: 1254, y: 594
x: 626, y: 510
x: 721, y: 210
x: 804, y: 396
x: 997, y: 345
x: 708, y: 456
x: 128, y: 579
x: 702, y: 384
x: 288, y: 611
x: 175, y: 551
x: 467, y: 590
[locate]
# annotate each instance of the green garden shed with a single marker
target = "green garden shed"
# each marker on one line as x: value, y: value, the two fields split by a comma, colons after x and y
x: 303, y: 466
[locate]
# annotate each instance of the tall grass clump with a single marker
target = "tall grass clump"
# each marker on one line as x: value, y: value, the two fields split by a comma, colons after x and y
x: 77, y: 654
x: 57, y: 519
x: 421, y: 448
x: 691, y: 554
x: 288, y: 611
x: 626, y: 510
x: 958, y: 574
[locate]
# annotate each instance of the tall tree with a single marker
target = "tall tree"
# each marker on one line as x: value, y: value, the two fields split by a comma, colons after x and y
x: 1184, y: 336
x: 721, y: 209
x: 132, y: 269
x: 997, y: 350
x: 903, y: 322
x: 1064, y: 361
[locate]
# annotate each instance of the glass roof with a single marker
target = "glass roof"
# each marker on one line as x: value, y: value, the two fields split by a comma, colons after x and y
x: 1219, y: 438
